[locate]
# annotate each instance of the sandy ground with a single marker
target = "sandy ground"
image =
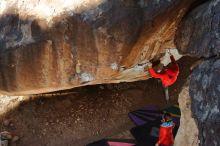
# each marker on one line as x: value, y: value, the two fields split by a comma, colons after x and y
x: 79, y: 116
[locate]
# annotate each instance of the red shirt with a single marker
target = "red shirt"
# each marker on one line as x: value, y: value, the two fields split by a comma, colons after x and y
x: 169, y: 75
x: 166, y: 134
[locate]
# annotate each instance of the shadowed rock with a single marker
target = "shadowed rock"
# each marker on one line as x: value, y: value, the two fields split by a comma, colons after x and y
x: 205, y: 93
x: 198, y: 33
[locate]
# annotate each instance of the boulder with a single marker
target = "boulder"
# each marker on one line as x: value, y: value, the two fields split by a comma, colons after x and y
x: 188, y: 133
x: 64, y: 44
x: 199, y: 34
x: 205, y: 93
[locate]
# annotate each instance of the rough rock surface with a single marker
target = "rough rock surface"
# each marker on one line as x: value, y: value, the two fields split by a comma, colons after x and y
x: 51, y: 46
x: 205, y: 93
x: 83, y: 115
x: 188, y: 132
x: 88, y: 114
x: 199, y: 32
x: 198, y: 35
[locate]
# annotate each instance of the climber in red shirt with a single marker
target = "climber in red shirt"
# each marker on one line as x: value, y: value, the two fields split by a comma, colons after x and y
x: 166, y: 131
x: 167, y: 76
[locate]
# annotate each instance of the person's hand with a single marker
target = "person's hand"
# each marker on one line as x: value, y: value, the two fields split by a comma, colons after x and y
x: 156, y: 144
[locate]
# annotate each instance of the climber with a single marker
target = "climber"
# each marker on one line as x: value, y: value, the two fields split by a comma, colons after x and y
x: 168, y: 75
x: 166, y: 131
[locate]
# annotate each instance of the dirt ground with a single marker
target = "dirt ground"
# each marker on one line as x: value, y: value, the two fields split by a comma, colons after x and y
x: 82, y: 115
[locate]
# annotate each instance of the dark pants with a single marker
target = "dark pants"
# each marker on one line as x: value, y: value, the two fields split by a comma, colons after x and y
x: 166, y: 91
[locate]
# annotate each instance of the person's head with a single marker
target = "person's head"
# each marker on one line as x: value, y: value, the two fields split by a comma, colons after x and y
x: 167, y: 117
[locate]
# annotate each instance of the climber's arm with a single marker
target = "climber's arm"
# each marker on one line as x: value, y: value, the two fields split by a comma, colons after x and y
x: 174, y: 63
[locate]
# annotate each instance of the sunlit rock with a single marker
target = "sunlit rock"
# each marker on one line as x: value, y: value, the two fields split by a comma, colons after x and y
x: 188, y: 133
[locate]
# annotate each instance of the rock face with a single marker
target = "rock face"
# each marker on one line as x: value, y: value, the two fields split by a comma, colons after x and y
x: 87, y: 115
x: 188, y: 132
x: 205, y: 93
x: 52, y: 46
x: 83, y: 115
x: 199, y: 33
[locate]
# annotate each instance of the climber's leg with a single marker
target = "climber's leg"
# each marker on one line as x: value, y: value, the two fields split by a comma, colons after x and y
x: 166, y: 92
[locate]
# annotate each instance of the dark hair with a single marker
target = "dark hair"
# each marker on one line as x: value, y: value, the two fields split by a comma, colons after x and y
x: 167, y: 116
